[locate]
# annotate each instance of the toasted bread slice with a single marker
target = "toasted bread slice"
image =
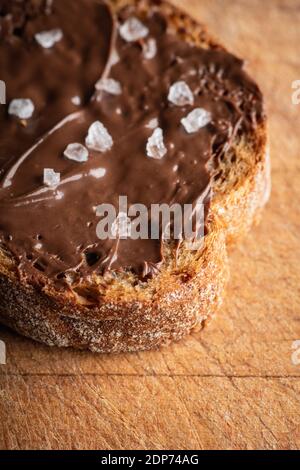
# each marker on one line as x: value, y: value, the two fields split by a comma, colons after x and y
x: 119, y: 312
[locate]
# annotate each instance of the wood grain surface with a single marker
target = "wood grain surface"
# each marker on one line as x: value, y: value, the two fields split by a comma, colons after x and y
x: 232, y: 386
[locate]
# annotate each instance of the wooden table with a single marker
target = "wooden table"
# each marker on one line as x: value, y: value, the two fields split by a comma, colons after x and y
x: 233, y: 385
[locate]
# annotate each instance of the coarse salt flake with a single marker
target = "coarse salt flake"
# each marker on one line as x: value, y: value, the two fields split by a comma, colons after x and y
x: 98, y: 172
x: 180, y: 94
x: 48, y: 39
x: 51, y: 178
x: 76, y: 100
x: 98, y: 138
x: 195, y: 120
x: 155, y: 145
x: 133, y: 30
x: 22, y: 108
x: 77, y: 153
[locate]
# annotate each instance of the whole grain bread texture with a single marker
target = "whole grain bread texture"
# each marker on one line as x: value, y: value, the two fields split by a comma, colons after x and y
x: 118, y: 312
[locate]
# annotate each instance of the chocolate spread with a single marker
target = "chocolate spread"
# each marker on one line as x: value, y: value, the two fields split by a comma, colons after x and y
x: 51, y: 235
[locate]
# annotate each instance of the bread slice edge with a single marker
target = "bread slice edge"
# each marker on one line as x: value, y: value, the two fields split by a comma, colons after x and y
x: 121, y: 315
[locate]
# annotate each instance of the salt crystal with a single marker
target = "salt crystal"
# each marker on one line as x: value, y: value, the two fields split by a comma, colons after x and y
x: 121, y: 227
x: 51, y: 178
x: 155, y: 145
x: 195, y: 120
x: 149, y: 49
x: 59, y: 195
x: 98, y: 138
x: 133, y: 30
x: 98, y: 172
x: 47, y: 39
x: 109, y: 85
x: 76, y: 100
x: 152, y: 124
x: 180, y: 94
x: 76, y: 152
x: 22, y: 108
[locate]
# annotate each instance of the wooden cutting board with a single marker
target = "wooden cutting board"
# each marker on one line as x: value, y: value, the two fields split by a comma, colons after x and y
x: 233, y: 386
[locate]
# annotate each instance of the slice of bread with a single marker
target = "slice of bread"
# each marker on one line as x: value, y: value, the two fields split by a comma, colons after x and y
x: 119, y: 312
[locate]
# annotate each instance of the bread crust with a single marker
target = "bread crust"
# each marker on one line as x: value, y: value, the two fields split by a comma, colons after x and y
x: 120, y: 313
x: 121, y: 325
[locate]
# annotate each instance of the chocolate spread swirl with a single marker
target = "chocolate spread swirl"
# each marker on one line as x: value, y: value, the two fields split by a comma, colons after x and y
x: 52, y: 235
